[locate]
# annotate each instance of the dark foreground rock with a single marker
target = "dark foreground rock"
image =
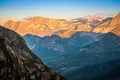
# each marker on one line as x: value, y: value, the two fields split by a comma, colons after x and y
x: 17, y: 62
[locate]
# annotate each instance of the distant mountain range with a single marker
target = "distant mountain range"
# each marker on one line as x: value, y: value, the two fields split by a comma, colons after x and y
x: 63, y: 28
x: 40, y: 25
x: 91, y: 20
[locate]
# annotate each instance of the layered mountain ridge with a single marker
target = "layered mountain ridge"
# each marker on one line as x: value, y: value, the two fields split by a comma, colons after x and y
x: 42, y: 27
x: 39, y: 26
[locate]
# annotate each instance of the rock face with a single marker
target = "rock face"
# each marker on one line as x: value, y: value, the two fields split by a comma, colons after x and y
x: 45, y: 27
x: 17, y: 62
x: 108, y: 25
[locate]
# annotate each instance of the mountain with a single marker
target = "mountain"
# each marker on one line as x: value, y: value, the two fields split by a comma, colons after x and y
x: 82, y: 24
x: 40, y: 25
x: 91, y: 20
x: 37, y: 26
x: 79, y: 55
x: 108, y: 25
x: 18, y: 62
x: 97, y: 52
x: 57, y: 45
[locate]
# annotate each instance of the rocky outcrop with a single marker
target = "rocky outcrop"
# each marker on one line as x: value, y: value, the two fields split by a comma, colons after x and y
x: 17, y: 62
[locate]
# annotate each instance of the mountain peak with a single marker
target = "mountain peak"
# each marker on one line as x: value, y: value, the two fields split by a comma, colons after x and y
x: 108, y: 25
x: 96, y: 16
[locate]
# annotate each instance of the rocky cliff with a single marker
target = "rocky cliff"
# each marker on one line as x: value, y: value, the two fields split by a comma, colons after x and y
x: 17, y: 62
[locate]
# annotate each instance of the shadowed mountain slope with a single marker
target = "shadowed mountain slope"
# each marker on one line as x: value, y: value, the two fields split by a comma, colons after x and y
x: 17, y: 62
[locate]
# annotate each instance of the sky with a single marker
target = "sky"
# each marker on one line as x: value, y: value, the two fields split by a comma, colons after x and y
x: 65, y: 9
